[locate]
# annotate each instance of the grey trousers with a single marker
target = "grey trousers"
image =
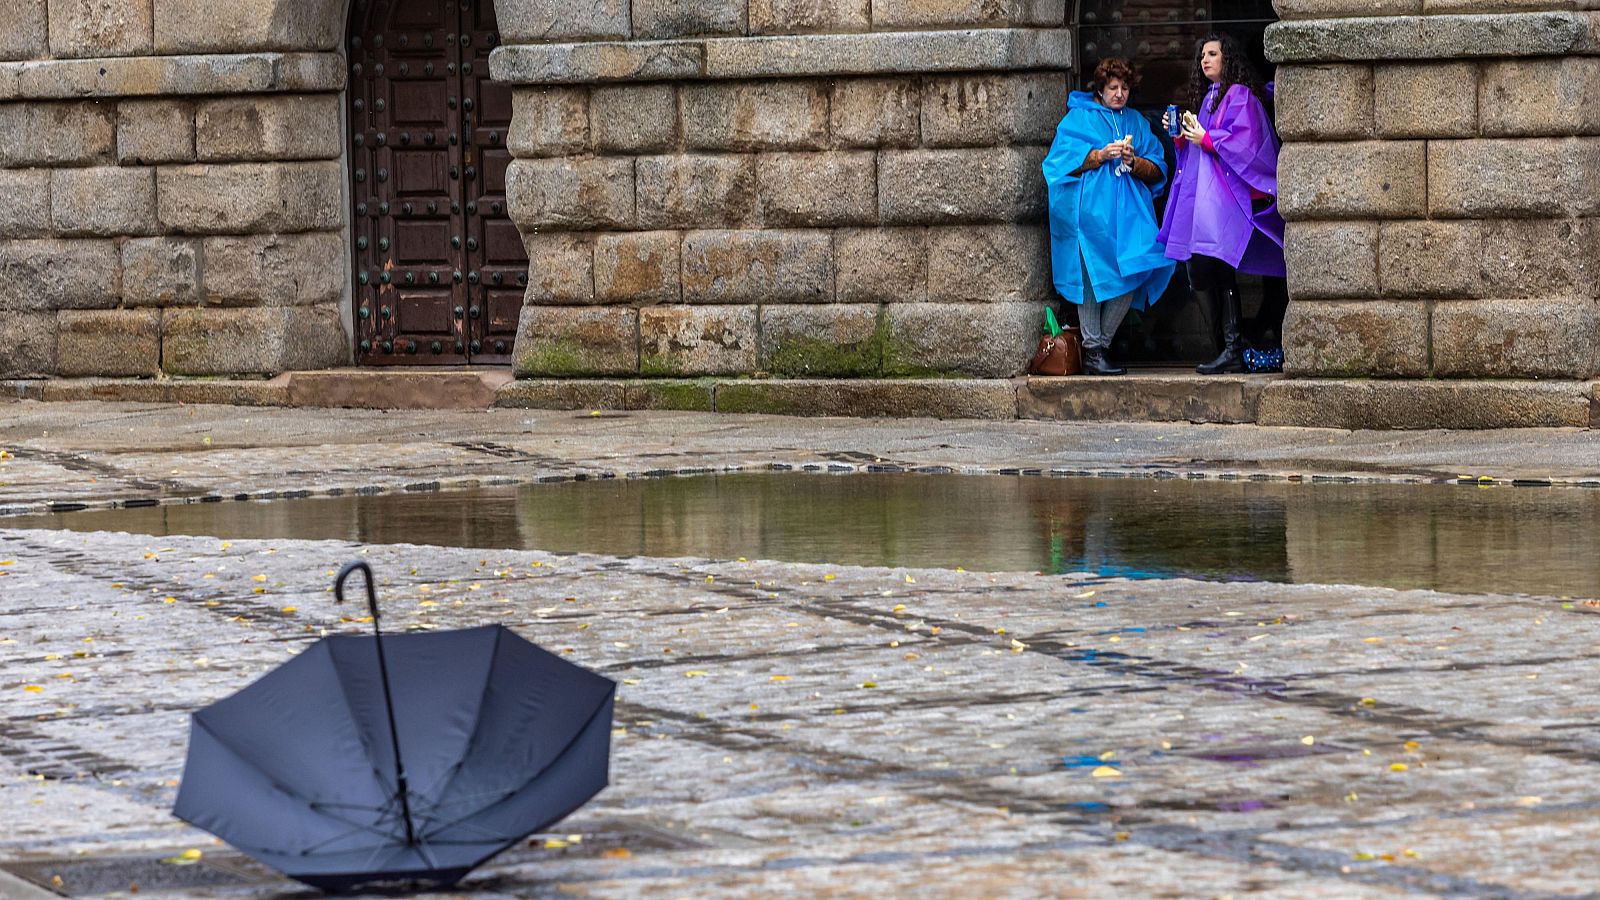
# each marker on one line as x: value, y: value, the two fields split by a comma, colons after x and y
x: 1099, y: 318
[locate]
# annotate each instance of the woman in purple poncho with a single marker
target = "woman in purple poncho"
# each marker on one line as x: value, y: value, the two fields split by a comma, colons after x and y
x: 1223, y: 214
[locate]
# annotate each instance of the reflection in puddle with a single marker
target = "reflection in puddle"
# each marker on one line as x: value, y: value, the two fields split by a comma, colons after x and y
x: 1446, y: 537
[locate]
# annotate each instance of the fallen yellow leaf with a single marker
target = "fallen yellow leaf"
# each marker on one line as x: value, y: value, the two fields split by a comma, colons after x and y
x: 186, y: 858
x: 1106, y: 772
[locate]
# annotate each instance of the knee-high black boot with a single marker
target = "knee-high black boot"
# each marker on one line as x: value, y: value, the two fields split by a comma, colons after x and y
x: 1231, y: 359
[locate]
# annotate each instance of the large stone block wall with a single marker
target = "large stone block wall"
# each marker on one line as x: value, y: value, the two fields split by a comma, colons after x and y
x: 716, y: 186
x: 795, y: 187
x: 166, y: 212
x: 1441, y: 180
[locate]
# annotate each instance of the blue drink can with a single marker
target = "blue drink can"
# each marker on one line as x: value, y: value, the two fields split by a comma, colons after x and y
x: 1174, y: 128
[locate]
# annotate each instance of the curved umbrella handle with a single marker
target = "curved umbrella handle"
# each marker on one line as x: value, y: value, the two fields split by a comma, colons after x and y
x: 350, y: 568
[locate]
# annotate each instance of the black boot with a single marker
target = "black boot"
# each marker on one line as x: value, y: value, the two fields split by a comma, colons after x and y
x: 1096, y: 363
x: 1231, y: 359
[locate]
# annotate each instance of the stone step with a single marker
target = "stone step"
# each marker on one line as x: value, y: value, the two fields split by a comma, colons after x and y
x: 1161, y: 395
x: 397, y: 388
x: 388, y: 388
x: 1153, y: 395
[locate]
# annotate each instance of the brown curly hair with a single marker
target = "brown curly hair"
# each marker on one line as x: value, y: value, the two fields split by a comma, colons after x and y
x: 1113, y: 67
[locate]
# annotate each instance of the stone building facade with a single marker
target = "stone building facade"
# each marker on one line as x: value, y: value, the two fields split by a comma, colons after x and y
x: 818, y: 188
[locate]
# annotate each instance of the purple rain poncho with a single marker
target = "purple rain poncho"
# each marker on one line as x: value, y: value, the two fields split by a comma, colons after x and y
x: 1106, y: 220
x: 1209, y: 211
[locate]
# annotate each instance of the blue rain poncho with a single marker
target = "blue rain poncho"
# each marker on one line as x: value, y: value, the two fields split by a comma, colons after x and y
x: 1106, y: 220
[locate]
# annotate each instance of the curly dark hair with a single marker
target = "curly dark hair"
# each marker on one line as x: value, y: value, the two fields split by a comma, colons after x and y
x: 1113, y: 67
x: 1236, y: 69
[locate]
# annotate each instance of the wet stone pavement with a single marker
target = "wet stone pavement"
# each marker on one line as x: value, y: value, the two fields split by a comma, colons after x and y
x: 110, y: 454
x: 811, y: 729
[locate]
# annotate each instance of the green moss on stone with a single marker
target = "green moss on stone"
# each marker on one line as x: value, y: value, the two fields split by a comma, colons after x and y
x: 686, y: 395
x: 556, y: 357
x: 813, y: 357
x: 897, y: 363
x: 749, y: 397
x: 660, y: 365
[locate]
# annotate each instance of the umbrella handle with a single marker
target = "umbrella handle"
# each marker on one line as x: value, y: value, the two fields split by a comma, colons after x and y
x: 350, y: 568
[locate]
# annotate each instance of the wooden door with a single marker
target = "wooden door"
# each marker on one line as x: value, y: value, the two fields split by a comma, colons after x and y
x: 439, y: 267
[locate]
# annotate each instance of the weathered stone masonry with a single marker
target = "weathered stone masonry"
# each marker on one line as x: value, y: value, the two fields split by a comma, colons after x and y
x: 824, y: 187
x: 800, y: 187
x: 803, y: 187
x: 171, y: 197
x: 1440, y: 175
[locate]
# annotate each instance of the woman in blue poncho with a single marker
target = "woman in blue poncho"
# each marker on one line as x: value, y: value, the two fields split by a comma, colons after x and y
x: 1104, y: 172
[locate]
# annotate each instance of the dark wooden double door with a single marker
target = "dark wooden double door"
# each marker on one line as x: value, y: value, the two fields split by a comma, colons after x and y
x: 439, y: 267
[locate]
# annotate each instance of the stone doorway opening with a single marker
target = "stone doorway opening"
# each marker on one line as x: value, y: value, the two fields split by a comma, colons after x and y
x: 439, y: 267
x: 1159, y: 37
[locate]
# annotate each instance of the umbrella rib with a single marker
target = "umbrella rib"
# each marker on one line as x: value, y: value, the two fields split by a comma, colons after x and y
x: 535, y: 776
x: 314, y: 805
x: 310, y: 803
x: 449, y: 778
x: 385, y: 812
x: 355, y: 827
x: 344, y: 692
x: 467, y: 824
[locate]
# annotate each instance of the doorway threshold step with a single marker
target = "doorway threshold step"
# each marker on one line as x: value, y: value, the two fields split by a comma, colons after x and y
x: 1161, y: 395
x: 396, y: 388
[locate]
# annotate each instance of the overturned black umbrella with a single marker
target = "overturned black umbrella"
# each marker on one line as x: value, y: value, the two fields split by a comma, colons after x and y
x: 407, y: 757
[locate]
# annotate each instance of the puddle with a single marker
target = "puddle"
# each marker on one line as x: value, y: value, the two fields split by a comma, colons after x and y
x: 1534, y: 540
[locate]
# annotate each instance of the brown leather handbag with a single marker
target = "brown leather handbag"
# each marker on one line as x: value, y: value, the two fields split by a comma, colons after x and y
x: 1058, y: 354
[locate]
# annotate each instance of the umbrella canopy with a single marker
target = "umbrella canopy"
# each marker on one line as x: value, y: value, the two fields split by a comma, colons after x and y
x: 399, y: 757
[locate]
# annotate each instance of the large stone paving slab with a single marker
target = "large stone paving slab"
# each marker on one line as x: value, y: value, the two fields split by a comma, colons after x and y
x: 808, y: 729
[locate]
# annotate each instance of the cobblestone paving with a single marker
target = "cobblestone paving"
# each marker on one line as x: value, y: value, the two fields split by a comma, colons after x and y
x: 843, y: 731
x: 104, y: 454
